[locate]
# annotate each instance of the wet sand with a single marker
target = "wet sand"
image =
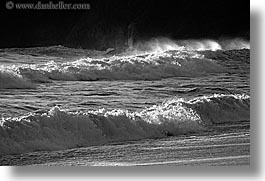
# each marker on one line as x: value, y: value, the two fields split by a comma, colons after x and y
x: 215, y: 149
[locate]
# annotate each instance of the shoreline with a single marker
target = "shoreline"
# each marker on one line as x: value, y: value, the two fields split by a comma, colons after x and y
x: 219, y: 149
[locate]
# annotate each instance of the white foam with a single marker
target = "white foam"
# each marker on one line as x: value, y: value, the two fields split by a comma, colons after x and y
x: 10, y: 79
x: 165, y: 44
x: 59, y: 129
x: 150, y: 66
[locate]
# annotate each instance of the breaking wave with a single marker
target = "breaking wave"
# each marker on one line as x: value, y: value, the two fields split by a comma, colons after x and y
x: 151, y: 60
x: 58, y: 129
x: 241, y: 56
x: 137, y: 67
x: 11, y: 79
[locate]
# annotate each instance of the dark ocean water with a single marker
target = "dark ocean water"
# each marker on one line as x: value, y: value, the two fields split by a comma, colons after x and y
x: 55, y: 98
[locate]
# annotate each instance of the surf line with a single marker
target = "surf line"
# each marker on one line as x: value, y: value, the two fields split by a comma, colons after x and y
x: 198, y: 147
x: 180, y: 162
x: 194, y: 160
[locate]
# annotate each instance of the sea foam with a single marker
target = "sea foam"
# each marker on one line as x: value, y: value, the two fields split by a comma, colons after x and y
x: 11, y: 79
x: 157, y: 60
x: 135, y: 67
x: 58, y: 129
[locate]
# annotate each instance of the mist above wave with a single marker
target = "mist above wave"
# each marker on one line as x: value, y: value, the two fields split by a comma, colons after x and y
x: 165, y: 44
x: 150, y: 60
x: 58, y: 129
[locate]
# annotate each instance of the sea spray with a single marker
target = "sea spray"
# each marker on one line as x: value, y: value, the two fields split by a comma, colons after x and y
x: 137, y: 67
x: 162, y: 44
x: 164, y: 59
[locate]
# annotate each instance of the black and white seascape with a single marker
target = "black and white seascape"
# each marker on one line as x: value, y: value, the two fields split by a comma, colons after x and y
x: 126, y: 83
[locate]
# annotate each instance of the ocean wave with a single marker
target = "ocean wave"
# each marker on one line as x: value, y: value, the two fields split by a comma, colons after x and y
x: 137, y: 67
x: 235, y: 60
x: 242, y: 55
x: 10, y: 79
x: 59, y: 129
x: 145, y: 66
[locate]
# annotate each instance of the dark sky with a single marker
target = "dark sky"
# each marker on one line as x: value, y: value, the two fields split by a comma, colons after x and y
x: 179, y: 19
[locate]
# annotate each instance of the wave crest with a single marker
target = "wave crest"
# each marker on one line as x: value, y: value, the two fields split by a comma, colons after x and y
x: 139, y: 67
x: 10, y: 79
x: 59, y: 129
